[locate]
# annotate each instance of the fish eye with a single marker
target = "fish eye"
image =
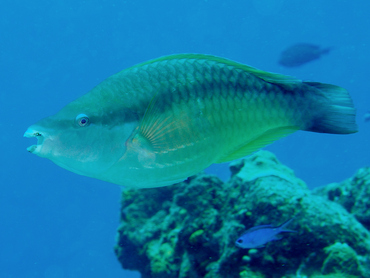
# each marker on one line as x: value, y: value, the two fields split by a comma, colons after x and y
x: 239, y: 241
x: 82, y: 120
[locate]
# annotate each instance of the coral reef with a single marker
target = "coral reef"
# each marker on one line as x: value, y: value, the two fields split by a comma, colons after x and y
x: 189, y: 229
x: 353, y: 194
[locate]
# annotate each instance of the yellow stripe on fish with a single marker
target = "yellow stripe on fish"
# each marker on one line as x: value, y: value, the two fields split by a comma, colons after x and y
x: 159, y: 122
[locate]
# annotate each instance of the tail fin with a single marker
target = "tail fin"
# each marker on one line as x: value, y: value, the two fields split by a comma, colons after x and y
x: 283, y: 229
x: 335, y: 112
x: 326, y: 50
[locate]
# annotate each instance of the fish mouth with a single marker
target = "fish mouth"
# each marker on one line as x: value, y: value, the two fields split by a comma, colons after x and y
x: 30, y: 133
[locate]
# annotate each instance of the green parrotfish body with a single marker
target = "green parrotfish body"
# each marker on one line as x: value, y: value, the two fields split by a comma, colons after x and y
x: 161, y: 121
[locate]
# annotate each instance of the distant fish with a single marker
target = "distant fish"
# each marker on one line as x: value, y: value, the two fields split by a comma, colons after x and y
x: 300, y: 54
x: 367, y: 117
x: 258, y: 236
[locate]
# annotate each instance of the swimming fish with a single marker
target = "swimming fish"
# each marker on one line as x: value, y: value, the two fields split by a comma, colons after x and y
x: 367, y: 116
x: 300, y: 54
x: 161, y: 121
x: 258, y: 236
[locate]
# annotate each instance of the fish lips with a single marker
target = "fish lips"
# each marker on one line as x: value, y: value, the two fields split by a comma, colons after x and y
x: 31, y: 133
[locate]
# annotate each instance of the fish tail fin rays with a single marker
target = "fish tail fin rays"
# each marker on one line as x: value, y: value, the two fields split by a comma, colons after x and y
x: 334, y: 111
x: 257, y: 143
x: 282, y: 229
x: 283, y: 226
x: 326, y: 50
x: 286, y: 223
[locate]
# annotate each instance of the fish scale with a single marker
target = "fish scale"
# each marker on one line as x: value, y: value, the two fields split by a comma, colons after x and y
x: 212, y: 80
x: 210, y: 88
x: 160, y: 121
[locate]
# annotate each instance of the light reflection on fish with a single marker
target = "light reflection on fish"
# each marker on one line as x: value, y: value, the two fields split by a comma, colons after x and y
x: 302, y: 53
x: 161, y: 121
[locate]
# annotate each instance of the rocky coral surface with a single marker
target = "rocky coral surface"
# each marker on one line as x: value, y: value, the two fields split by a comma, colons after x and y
x: 353, y: 194
x: 189, y: 229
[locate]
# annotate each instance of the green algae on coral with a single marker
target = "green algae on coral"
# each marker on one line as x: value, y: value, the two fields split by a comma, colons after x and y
x: 334, y: 275
x: 195, y: 237
x: 161, y: 257
x: 341, y: 259
x: 250, y: 274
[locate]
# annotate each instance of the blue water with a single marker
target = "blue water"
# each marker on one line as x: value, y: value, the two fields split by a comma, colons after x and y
x: 57, y: 224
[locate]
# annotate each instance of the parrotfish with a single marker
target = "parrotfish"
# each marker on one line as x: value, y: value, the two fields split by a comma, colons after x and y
x: 258, y: 236
x: 161, y: 121
x: 302, y: 53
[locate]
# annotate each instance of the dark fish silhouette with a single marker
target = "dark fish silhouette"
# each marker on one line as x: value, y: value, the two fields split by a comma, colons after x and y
x: 300, y: 54
x: 367, y: 117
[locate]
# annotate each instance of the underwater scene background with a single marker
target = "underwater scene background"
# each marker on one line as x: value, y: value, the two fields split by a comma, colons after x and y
x: 58, y: 224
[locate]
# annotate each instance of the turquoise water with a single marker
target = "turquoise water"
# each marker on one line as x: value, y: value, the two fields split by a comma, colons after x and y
x: 57, y: 224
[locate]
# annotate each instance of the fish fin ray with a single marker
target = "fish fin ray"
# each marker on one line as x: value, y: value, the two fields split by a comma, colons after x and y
x: 155, y: 125
x: 259, y: 246
x: 277, y: 237
x: 286, y: 223
x: 168, y: 130
x: 257, y: 228
x: 265, y: 139
x: 288, y: 231
x: 337, y: 114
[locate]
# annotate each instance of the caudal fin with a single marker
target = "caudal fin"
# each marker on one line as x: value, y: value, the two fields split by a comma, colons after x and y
x: 334, y: 110
x: 283, y: 226
x: 326, y: 50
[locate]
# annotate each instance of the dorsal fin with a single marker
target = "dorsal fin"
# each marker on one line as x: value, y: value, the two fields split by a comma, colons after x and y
x: 287, y: 82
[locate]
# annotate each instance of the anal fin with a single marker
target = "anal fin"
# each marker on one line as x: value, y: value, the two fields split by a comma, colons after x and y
x: 257, y: 143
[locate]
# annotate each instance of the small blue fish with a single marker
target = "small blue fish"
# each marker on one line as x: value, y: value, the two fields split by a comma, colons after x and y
x: 258, y: 236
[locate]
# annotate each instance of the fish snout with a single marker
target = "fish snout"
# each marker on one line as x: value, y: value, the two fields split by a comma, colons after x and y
x: 239, y: 243
x: 31, y: 133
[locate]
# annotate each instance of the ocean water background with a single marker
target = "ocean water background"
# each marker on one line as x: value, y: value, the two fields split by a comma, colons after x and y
x: 57, y: 224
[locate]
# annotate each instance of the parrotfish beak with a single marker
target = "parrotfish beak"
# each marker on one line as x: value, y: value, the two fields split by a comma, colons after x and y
x: 40, y: 139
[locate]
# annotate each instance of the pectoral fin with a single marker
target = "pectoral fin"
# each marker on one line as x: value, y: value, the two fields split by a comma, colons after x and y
x: 167, y: 129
